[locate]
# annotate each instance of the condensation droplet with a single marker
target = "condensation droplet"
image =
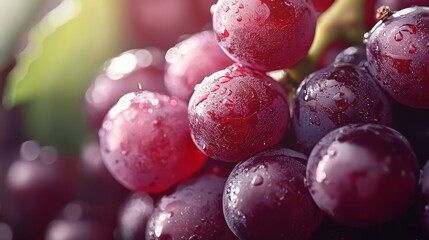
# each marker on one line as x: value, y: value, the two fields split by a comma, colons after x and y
x: 257, y: 180
x: 239, y: 18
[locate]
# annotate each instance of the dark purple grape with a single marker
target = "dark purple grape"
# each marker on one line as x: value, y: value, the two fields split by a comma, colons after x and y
x: 266, y: 35
x: 134, y: 215
x: 354, y: 55
x: 185, y: 68
x: 265, y: 198
x: 237, y: 112
x: 193, y: 211
x: 336, y: 96
x: 131, y: 71
x: 145, y: 142
x: 363, y: 174
x: 330, y: 53
x: 398, y: 52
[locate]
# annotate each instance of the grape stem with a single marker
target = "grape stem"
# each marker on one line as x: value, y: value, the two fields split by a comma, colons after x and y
x: 343, y: 20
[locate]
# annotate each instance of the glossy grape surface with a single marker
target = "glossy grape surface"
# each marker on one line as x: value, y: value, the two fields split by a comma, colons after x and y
x: 131, y: 71
x: 363, y: 174
x: 192, y: 211
x: 398, y: 51
x: 265, y: 198
x: 265, y: 34
x: 145, y: 142
x: 354, y: 55
x: 185, y: 68
x: 237, y: 112
x: 336, y: 96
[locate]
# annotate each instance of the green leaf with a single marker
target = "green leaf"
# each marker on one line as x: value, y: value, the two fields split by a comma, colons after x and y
x: 66, y: 49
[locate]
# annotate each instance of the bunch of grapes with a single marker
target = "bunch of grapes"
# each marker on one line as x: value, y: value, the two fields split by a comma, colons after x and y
x: 207, y: 140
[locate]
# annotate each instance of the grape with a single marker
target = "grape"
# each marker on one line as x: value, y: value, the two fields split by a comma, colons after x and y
x: 396, y: 5
x: 265, y: 34
x: 160, y: 23
x: 266, y: 198
x: 397, y: 50
x: 38, y: 184
x: 336, y: 96
x: 193, y: 211
x: 131, y: 71
x: 145, y: 142
x: 237, y: 112
x: 134, y: 215
x: 354, y: 55
x: 330, y: 53
x: 185, y: 68
x: 363, y: 174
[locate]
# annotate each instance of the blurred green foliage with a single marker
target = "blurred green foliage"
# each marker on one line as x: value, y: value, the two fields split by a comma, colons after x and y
x: 65, y: 52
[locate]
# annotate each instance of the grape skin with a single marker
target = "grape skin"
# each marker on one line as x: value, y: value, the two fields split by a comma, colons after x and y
x: 145, y: 142
x: 265, y: 198
x: 265, y: 35
x: 237, y: 112
x: 363, y: 174
x: 336, y: 96
x: 397, y: 50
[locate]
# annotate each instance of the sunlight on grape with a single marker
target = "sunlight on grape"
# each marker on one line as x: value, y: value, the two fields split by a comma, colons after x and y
x: 121, y: 65
x: 320, y: 171
x: 19, y: 176
x: 172, y: 55
x: 145, y: 58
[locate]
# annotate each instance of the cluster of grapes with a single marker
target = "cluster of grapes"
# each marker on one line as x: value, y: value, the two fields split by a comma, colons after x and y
x: 212, y: 146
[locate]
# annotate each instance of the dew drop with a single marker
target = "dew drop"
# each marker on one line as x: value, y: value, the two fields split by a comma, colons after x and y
x: 257, y: 180
x: 412, y: 49
x: 158, y: 122
x: 202, y: 99
x: 239, y: 18
x: 228, y: 103
x: 225, y: 79
x: 340, y: 100
x: 226, y: 9
x: 399, y: 36
x: 215, y: 88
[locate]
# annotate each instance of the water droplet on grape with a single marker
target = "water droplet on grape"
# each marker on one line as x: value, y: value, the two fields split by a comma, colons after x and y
x: 257, y: 180
x: 228, y: 103
x: 225, y: 79
x: 239, y: 18
x: 413, y: 49
x: 340, y: 100
x: 202, y: 99
x: 399, y: 36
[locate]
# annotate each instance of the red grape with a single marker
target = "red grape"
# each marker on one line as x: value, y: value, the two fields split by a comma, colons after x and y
x: 237, y: 112
x: 145, y: 142
x: 131, y: 71
x: 265, y: 198
x: 265, y: 34
x: 322, y: 5
x: 398, y: 50
x: 363, y: 174
x: 185, y: 68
